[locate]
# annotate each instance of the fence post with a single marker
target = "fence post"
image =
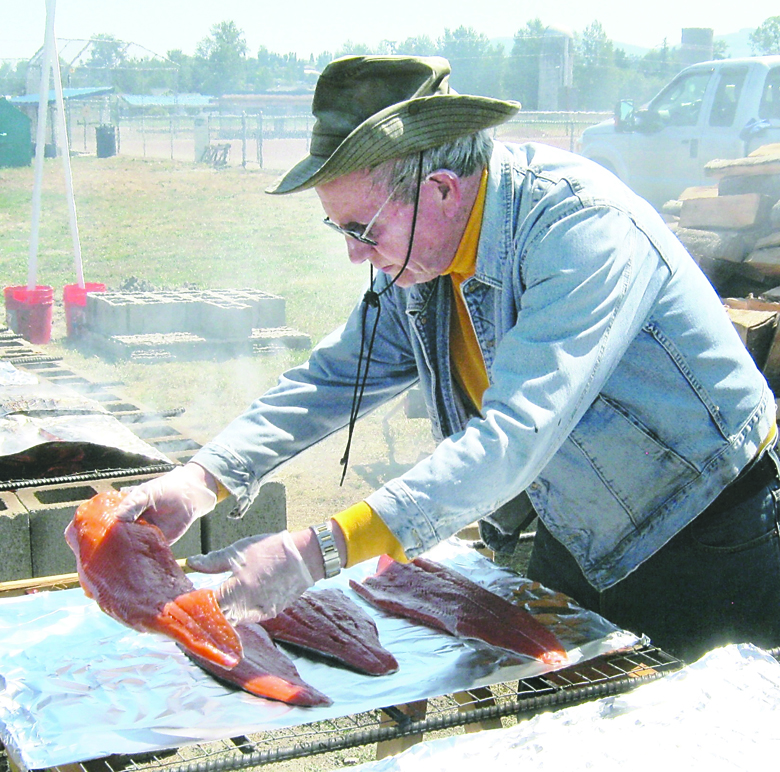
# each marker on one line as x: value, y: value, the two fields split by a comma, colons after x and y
x: 170, y: 124
x: 259, y: 142
x: 243, y: 139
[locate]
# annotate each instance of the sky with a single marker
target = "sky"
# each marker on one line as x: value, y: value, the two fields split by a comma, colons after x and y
x: 312, y: 26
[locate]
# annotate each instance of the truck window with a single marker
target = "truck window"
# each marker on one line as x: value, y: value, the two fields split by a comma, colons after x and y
x: 680, y: 103
x: 724, y: 106
x: 770, y: 98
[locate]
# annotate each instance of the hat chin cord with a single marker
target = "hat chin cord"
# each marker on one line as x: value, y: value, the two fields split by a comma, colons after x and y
x: 371, y: 299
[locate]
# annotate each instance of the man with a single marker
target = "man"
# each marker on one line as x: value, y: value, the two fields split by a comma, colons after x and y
x: 569, y: 350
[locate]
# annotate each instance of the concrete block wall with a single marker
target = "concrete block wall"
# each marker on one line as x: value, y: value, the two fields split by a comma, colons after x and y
x: 212, y: 313
x: 267, y: 514
x: 15, y: 551
x: 33, y: 520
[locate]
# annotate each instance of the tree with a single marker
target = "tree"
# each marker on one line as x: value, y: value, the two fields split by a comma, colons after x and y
x: 13, y: 77
x: 595, y: 69
x: 720, y: 49
x: 522, y: 78
x: 353, y: 49
x: 221, y: 60
x: 765, y: 39
x: 421, y: 45
x: 477, y: 66
x: 106, y: 52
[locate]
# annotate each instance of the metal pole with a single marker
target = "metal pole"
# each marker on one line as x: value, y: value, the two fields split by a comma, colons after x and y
x: 66, y: 167
x: 260, y: 140
x: 40, y: 144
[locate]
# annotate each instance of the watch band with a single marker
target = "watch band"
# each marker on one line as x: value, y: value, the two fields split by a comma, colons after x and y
x: 330, y: 554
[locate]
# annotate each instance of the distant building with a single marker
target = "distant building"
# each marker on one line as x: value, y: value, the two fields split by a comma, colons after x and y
x: 696, y: 45
x: 556, y: 69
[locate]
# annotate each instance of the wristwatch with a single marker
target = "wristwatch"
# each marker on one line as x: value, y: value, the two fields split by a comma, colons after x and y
x: 330, y: 555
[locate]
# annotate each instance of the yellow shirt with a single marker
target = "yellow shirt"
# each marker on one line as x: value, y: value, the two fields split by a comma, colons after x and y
x: 468, y: 363
x: 365, y: 533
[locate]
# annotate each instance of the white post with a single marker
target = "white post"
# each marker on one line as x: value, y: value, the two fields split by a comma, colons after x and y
x: 40, y: 144
x: 66, y: 167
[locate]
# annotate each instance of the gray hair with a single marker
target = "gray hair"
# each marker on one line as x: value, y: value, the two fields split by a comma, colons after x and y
x: 464, y: 156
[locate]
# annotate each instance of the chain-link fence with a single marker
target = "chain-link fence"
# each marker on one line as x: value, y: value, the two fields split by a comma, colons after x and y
x: 273, y: 142
x: 561, y: 129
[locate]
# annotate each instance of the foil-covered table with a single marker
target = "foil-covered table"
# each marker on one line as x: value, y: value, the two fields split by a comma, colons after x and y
x: 76, y: 685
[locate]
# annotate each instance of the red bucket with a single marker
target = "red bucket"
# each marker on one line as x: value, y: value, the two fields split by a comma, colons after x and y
x: 28, y: 312
x: 11, y: 309
x: 75, y: 301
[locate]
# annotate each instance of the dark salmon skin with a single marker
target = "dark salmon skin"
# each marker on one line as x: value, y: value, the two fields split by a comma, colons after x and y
x: 265, y: 671
x: 436, y: 596
x: 328, y: 623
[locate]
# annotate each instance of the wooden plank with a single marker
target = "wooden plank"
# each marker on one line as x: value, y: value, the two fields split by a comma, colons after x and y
x: 756, y: 329
x: 726, y: 245
x: 772, y: 240
x: 699, y: 191
x: 753, y: 304
x: 766, y: 261
x: 736, y: 212
x: 773, y: 148
x: 478, y: 697
x: 416, y: 712
x: 760, y: 164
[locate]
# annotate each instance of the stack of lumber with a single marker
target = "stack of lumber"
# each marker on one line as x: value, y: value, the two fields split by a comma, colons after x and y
x: 732, y: 227
x: 757, y: 322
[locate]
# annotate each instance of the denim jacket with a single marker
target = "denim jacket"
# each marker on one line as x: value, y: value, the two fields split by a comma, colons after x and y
x: 621, y: 398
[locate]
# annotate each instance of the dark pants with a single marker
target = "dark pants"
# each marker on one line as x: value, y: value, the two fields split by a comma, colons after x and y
x: 715, y: 582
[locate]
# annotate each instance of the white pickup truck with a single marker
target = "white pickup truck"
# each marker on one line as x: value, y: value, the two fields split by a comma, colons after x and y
x: 719, y: 109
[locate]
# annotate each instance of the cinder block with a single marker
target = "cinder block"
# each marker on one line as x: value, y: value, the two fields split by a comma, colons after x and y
x: 225, y: 320
x: 107, y: 313
x: 51, y: 508
x: 270, y: 312
x: 15, y: 553
x: 166, y: 314
x: 267, y: 514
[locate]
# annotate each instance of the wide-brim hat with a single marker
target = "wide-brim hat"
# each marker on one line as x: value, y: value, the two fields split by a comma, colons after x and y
x: 371, y: 109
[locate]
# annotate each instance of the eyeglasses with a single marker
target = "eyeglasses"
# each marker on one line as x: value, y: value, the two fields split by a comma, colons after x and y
x: 360, y: 234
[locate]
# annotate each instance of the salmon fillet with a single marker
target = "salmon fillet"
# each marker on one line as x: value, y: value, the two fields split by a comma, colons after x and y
x: 328, y: 623
x: 438, y: 597
x: 264, y: 671
x: 129, y: 569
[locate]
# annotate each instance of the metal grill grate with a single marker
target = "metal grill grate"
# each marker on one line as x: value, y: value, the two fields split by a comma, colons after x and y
x: 600, y: 677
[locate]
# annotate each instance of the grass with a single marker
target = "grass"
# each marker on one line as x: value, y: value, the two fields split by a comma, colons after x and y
x: 175, y: 224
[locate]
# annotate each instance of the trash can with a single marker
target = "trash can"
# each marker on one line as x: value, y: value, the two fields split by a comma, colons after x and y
x: 105, y: 137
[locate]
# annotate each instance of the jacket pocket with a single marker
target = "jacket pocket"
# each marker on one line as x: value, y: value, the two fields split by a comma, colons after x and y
x: 614, y: 442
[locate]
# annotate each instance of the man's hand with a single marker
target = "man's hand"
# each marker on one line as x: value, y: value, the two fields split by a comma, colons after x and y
x: 172, y: 501
x: 268, y: 574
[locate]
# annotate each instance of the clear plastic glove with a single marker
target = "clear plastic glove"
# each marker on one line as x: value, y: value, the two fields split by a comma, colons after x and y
x: 172, y: 501
x: 268, y: 574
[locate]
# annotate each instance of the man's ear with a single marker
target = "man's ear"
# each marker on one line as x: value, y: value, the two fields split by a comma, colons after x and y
x: 448, y: 190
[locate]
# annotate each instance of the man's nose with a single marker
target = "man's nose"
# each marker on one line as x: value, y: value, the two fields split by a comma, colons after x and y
x: 358, y: 252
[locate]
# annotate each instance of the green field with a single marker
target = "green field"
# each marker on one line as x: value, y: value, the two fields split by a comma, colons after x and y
x: 175, y: 224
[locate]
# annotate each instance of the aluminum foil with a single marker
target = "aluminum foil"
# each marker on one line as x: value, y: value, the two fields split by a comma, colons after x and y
x: 77, y: 685
x: 44, y: 428
x: 720, y: 713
